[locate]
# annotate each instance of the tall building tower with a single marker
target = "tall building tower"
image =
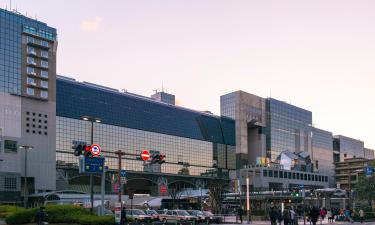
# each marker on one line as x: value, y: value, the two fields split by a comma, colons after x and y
x: 27, y: 106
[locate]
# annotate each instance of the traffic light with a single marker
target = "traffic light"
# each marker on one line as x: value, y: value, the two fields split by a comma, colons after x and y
x: 87, y: 152
x: 158, y: 158
x: 78, y: 150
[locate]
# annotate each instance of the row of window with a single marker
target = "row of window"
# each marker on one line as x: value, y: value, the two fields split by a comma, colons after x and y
x: 32, y: 81
x: 32, y: 61
x: 31, y: 51
x: 31, y: 92
x: 294, y: 175
x: 40, y: 33
x: 32, y: 71
x: 38, y: 42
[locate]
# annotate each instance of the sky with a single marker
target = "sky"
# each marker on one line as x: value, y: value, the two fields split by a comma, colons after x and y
x: 318, y: 55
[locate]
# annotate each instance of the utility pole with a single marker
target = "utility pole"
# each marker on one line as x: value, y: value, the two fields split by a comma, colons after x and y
x: 25, y: 197
x: 119, y: 154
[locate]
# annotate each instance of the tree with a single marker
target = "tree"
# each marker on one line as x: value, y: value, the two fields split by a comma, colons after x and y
x: 365, y: 188
x: 175, y: 192
x: 216, y: 191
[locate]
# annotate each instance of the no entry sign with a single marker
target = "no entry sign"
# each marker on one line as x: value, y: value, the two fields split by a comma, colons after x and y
x: 145, y: 155
x: 95, y: 150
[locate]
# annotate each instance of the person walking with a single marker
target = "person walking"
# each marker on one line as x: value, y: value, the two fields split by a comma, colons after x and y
x: 273, y: 216
x: 240, y: 213
x: 293, y: 216
x: 314, y: 215
x: 279, y: 216
x: 286, y: 217
x: 40, y: 216
x: 348, y: 215
x: 361, y: 215
x: 123, y: 216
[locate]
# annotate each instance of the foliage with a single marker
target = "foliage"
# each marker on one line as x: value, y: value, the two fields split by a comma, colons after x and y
x: 21, y: 217
x: 61, y: 214
x: 365, y: 188
x: 175, y: 192
x: 7, y: 210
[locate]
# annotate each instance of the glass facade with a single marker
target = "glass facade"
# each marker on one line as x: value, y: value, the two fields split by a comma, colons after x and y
x: 349, y: 147
x: 189, y: 139
x: 228, y: 105
x: 11, y: 27
x: 289, y: 128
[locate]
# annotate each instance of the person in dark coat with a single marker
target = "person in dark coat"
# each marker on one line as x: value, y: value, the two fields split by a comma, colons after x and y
x: 40, y: 216
x: 240, y: 213
x: 279, y: 216
x: 286, y: 217
x: 123, y: 216
x: 314, y: 215
x: 273, y: 216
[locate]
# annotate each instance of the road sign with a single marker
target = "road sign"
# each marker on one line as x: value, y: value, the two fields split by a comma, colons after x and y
x: 91, y: 165
x: 123, y: 173
x: 163, y: 189
x: 123, y: 180
x: 145, y: 155
x: 95, y: 150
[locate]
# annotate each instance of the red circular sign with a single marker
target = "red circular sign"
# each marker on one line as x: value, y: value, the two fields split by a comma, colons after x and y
x: 95, y: 150
x: 163, y: 189
x: 145, y: 155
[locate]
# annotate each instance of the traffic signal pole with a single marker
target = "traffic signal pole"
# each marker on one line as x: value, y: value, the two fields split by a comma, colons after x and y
x: 91, y: 176
x: 119, y: 154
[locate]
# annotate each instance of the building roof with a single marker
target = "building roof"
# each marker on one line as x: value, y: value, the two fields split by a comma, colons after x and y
x: 76, y: 99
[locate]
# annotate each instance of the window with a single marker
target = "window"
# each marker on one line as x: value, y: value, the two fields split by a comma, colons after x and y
x: 305, y: 176
x: 281, y: 174
x: 30, y: 40
x: 44, y: 84
x: 10, y: 183
x: 44, y: 94
x: 30, y: 70
x: 294, y: 175
x: 44, y: 74
x: 270, y: 173
x: 30, y: 91
x: 44, y: 64
x: 44, y: 54
x: 31, y: 50
x: 285, y: 174
x: 10, y: 146
x: 265, y: 173
x: 297, y: 176
x: 44, y: 43
x: 275, y: 173
x: 31, y: 81
x: 31, y: 60
x: 309, y: 177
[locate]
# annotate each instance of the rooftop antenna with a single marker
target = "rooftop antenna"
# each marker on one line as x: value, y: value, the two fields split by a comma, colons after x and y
x: 10, y: 5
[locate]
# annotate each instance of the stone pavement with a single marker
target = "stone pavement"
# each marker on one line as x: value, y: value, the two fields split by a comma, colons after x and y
x: 232, y: 220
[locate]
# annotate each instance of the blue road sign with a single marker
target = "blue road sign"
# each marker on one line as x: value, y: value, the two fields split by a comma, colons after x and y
x: 94, y: 164
x: 123, y: 173
x: 369, y: 171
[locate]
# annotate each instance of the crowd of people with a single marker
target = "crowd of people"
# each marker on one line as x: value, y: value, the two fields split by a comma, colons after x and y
x: 289, y: 216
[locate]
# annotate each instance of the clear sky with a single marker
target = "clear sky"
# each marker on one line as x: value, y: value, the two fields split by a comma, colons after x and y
x: 317, y: 54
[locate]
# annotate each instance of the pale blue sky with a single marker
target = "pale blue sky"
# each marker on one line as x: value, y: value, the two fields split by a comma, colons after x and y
x: 319, y: 55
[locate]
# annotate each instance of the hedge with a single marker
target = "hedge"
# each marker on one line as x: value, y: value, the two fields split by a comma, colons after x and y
x: 7, y: 210
x: 61, y: 214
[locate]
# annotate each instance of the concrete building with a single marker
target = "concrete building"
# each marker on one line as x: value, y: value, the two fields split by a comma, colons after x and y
x: 27, y: 105
x: 369, y: 153
x: 348, y: 171
x: 346, y: 148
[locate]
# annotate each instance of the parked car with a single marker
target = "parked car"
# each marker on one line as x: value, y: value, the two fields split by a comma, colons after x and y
x: 162, y: 211
x: 212, y: 218
x: 138, y: 215
x: 176, y: 215
x: 198, y: 214
x: 153, y: 213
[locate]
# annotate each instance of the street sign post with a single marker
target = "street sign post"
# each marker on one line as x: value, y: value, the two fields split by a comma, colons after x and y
x: 94, y: 165
x: 95, y: 150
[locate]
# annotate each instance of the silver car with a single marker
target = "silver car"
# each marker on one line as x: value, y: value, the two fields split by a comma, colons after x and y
x: 177, y: 215
x: 138, y: 215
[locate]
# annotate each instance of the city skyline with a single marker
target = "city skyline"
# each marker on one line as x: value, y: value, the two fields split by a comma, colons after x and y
x: 320, y: 63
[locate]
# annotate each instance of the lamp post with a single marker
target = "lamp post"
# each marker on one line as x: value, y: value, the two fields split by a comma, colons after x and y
x: 92, y: 120
x: 25, y: 147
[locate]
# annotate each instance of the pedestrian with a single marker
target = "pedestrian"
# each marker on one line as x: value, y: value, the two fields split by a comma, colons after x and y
x: 123, y: 216
x: 361, y: 215
x: 279, y: 216
x: 286, y: 216
x: 348, y: 215
x: 240, y: 213
x: 314, y: 215
x: 273, y: 216
x: 293, y: 216
x: 40, y: 216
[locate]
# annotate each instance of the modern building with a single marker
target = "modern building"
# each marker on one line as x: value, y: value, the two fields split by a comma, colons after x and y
x: 27, y: 106
x: 348, y: 171
x: 369, y: 153
x: 322, y: 153
x: 198, y: 146
x: 346, y: 148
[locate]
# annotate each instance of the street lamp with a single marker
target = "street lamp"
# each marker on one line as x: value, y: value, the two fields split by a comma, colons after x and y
x: 26, y: 147
x: 92, y: 120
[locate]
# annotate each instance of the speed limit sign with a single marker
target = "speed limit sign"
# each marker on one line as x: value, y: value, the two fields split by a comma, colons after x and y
x: 95, y: 150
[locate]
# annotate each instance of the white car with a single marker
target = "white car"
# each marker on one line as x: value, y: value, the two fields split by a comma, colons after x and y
x: 176, y: 215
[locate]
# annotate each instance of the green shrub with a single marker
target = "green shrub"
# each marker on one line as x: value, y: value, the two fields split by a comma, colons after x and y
x: 21, y: 217
x: 7, y: 210
x: 65, y: 213
x: 96, y: 220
